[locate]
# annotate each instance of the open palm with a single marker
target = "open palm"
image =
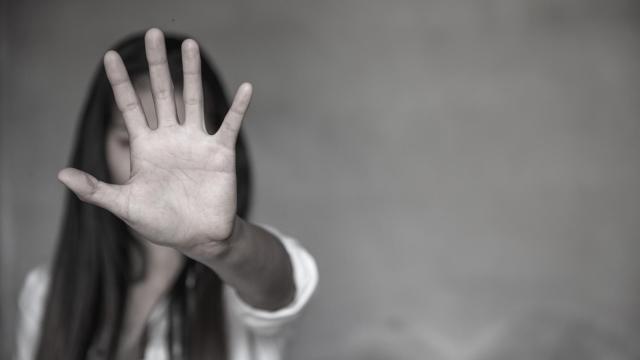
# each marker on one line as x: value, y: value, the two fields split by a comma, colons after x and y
x: 182, y: 189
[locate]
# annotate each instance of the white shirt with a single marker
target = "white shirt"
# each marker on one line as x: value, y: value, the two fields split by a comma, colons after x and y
x: 252, y: 334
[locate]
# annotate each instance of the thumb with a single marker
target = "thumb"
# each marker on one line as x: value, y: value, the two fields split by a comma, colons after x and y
x: 91, y: 190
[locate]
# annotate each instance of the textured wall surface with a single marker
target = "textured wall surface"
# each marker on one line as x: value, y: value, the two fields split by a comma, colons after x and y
x: 465, y: 172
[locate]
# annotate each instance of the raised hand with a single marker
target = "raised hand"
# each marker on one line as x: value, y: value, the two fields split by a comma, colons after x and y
x: 182, y: 188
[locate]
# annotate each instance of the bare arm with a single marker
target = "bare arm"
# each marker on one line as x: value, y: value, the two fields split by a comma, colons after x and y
x: 254, y: 262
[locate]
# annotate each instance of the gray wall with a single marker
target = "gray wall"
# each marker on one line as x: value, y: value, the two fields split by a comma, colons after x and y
x: 465, y: 172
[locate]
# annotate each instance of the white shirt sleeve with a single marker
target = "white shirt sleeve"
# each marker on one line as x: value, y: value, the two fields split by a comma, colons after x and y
x: 265, y: 332
x: 30, y: 309
x: 254, y: 334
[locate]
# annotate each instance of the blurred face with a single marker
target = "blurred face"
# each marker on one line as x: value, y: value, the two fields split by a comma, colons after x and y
x: 117, y: 138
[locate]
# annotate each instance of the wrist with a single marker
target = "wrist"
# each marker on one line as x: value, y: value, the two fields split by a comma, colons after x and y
x: 254, y: 262
x: 210, y: 249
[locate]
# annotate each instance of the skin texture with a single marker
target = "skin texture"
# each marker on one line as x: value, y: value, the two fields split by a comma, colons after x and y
x: 175, y: 187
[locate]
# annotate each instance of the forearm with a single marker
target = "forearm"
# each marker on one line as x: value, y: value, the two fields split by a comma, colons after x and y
x: 255, y: 263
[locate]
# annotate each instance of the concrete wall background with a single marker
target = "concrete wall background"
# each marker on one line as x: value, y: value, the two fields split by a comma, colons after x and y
x: 465, y: 172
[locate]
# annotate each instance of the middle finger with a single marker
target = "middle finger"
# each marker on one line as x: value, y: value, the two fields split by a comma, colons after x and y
x: 161, y: 84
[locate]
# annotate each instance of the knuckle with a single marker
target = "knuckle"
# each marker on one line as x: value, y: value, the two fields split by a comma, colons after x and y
x: 193, y: 72
x: 129, y: 107
x: 164, y: 94
x: 159, y: 61
x: 118, y: 80
x: 228, y: 127
x: 238, y: 111
x: 191, y: 101
x: 90, y: 196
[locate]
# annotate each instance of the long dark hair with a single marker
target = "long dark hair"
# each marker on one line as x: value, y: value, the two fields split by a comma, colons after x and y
x: 92, y: 269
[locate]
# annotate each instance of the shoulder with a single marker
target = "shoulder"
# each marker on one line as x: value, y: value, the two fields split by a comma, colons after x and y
x: 31, y: 307
x: 34, y: 288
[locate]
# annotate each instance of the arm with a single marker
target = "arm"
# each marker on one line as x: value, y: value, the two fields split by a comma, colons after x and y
x: 182, y: 187
x: 267, y: 332
x: 254, y: 262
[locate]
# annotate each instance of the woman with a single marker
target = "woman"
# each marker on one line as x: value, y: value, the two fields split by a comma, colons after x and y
x: 156, y: 259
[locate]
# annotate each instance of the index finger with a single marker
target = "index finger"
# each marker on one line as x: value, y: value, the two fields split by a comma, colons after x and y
x: 161, y: 84
x: 124, y: 94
